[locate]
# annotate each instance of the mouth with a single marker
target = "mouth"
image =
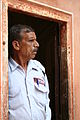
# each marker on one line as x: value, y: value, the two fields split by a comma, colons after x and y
x: 35, y: 50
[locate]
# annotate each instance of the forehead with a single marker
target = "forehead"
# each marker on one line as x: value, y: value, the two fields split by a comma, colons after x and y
x: 29, y: 35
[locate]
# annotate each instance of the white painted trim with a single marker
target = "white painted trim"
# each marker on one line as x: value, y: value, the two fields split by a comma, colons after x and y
x: 1, y: 62
x: 46, y: 5
x: 73, y: 65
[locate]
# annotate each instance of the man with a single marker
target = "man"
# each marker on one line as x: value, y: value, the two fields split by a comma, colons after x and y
x: 28, y: 85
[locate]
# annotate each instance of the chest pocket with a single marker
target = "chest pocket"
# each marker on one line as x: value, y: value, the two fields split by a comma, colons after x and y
x: 41, y: 94
x: 15, y: 98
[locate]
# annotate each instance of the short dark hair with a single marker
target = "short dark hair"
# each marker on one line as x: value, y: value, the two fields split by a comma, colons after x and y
x: 15, y: 34
x: 15, y: 31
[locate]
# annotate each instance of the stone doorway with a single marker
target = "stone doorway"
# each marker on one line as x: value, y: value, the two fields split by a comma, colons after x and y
x: 49, y: 54
x: 63, y: 20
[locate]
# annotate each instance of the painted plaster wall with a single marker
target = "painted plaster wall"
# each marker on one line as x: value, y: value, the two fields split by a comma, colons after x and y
x: 74, y: 7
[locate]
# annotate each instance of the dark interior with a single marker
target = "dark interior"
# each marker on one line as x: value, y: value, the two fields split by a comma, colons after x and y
x: 48, y: 37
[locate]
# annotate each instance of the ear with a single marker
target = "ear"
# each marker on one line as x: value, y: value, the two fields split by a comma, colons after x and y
x: 16, y: 45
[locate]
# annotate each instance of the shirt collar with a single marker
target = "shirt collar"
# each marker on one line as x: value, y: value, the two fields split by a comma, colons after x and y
x: 13, y: 64
x: 30, y: 65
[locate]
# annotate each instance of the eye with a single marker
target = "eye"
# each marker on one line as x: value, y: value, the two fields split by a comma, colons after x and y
x: 32, y: 40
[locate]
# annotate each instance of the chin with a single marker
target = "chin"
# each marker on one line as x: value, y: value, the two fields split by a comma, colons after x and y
x: 32, y: 57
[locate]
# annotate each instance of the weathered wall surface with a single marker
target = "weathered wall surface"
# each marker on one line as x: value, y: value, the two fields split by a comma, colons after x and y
x: 74, y: 7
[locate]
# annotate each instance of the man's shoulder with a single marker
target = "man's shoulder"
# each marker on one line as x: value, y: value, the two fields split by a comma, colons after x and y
x: 38, y: 64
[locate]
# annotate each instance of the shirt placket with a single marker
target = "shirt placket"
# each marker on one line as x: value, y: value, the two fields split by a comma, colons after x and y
x: 27, y: 89
x: 27, y: 92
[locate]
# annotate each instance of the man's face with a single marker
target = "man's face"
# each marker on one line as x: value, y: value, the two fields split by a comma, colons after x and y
x: 28, y: 46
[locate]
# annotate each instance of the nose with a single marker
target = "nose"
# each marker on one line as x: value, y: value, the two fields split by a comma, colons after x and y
x: 36, y: 44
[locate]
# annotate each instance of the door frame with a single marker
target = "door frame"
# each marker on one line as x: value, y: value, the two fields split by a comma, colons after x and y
x: 43, y: 11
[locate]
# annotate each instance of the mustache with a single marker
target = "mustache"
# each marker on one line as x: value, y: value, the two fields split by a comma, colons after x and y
x: 35, y: 50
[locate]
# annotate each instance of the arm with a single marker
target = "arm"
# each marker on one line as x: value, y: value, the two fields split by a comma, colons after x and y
x: 48, y: 110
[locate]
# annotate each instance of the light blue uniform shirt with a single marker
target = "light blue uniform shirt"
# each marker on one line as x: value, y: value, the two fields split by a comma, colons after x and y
x: 28, y: 92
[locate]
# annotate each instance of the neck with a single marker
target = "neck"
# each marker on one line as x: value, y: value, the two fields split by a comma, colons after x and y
x: 22, y: 62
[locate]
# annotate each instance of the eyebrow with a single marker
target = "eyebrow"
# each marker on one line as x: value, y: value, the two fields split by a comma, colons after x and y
x: 32, y: 38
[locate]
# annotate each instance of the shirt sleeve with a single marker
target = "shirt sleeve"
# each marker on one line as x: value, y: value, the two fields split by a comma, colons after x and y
x: 48, y: 110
